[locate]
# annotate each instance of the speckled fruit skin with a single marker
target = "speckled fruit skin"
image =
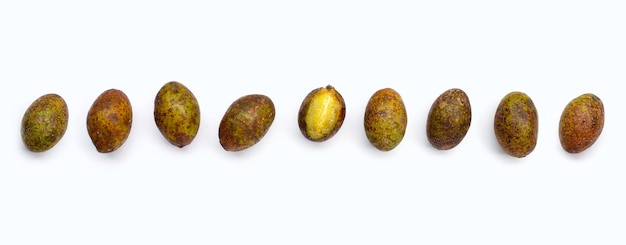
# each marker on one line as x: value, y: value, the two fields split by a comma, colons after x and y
x: 581, y: 123
x: 516, y: 124
x: 44, y: 123
x: 109, y: 120
x: 449, y: 119
x: 246, y: 122
x: 177, y: 114
x: 321, y: 114
x: 385, y: 119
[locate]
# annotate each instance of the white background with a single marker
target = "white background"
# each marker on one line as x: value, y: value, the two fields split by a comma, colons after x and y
x: 285, y: 189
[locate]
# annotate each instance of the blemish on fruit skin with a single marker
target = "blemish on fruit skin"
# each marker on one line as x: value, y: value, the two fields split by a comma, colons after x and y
x: 321, y: 114
x: 109, y: 120
x: 44, y: 123
x: 245, y: 122
x: 516, y: 124
x: 581, y: 123
x: 449, y: 119
x: 385, y: 119
x: 177, y: 113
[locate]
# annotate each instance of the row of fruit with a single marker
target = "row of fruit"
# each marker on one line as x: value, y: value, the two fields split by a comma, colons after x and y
x: 321, y: 115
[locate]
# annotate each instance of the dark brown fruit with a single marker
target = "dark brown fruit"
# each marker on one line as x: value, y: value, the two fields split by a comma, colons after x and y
x: 581, y: 123
x: 321, y: 114
x: 449, y: 119
x: 246, y: 122
x: 109, y: 120
x: 516, y: 124
x: 385, y: 119
x: 44, y: 123
x: 177, y: 113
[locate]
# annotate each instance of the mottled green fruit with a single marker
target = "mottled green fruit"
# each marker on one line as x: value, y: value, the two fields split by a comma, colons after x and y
x: 581, y: 123
x: 109, y: 120
x: 246, y: 122
x: 516, y: 124
x: 321, y: 114
x: 449, y: 119
x: 385, y: 119
x: 44, y: 123
x: 177, y: 113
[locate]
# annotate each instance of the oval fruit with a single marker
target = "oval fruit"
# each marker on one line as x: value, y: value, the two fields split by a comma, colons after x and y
x: 581, y: 123
x: 321, y: 114
x: 385, y: 119
x: 177, y: 113
x: 246, y: 121
x: 516, y: 124
x: 449, y: 119
x: 44, y: 123
x: 109, y: 120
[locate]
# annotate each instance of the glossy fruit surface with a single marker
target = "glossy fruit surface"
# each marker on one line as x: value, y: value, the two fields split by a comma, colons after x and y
x: 109, y: 120
x: 177, y: 114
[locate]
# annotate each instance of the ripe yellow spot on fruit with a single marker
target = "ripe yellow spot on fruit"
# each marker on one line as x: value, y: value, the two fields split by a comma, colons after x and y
x: 323, y: 113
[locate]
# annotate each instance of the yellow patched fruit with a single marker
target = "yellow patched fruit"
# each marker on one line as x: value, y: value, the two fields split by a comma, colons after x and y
x: 321, y: 114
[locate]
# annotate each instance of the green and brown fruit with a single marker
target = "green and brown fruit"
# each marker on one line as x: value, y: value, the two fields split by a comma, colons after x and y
x: 177, y: 113
x: 321, y: 114
x: 246, y: 122
x: 385, y: 119
x: 109, y: 120
x: 449, y: 119
x: 581, y: 123
x: 44, y: 123
x: 516, y: 124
